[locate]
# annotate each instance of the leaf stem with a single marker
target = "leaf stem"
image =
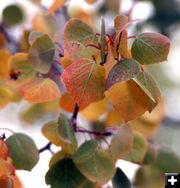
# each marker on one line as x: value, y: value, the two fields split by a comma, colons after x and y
x: 74, y: 116
x: 46, y: 147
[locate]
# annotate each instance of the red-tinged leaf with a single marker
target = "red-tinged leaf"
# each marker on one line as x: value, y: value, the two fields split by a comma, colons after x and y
x: 6, y: 170
x: 121, y: 45
x: 129, y: 100
x: 149, y: 48
x: 120, y: 22
x: 6, y: 183
x: 4, y: 67
x: 122, y: 71
x: 3, y: 150
x: 40, y: 90
x: 77, y: 36
x: 57, y: 4
x: 84, y: 80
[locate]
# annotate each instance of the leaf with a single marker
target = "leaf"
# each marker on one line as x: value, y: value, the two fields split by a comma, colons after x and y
x: 149, y: 48
x: 66, y: 131
x: 119, y: 22
x: 67, y: 103
x: 40, y: 90
x: 77, y: 37
x: 3, y: 150
x: 84, y: 80
x: 122, y: 71
x: 90, y: 1
x: 103, y: 41
x: 6, y: 170
x: 64, y: 174
x: 56, y: 5
x: 120, y: 180
x: 20, y: 71
x: 98, y: 168
x: 89, y: 184
x: 6, y: 95
x: 6, y: 183
x: 22, y: 151
x: 85, y: 151
x: 98, y: 108
x: 56, y: 158
x: 41, y: 54
x: 33, y: 36
x: 151, y: 154
x: 50, y: 131
x: 3, y: 41
x: 66, y: 61
x: 12, y: 15
x: 113, y: 118
x: 122, y: 142
x: 4, y: 66
x: 139, y: 149
x: 128, y: 100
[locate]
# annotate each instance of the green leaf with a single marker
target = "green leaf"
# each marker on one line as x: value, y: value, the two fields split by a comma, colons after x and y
x: 84, y: 80
x: 150, y: 88
x: 103, y: 41
x: 23, y: 151
x: 85, y: 151
x: 122, y: 142
x: 139, y: 149
x: 66, y: 130
x: 56, y: 158
x: 98, y: 168
x: 122, y: 71
x: 41, y: 54
x: 12, y: 15
x: 89, y: 184
x: 77, y: 36
x: 64, y: 174
x: 120, y: 180
x: 167, y: 161
x: 149, y: 48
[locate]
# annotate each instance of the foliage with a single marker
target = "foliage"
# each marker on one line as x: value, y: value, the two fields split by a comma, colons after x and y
x: 97, y: 75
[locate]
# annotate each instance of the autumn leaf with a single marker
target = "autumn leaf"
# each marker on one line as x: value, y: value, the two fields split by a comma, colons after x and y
x: 3, y: 42
x: 149, y: 48
x: 40, y: 90
x: 3, y: 150
x: 122, y: 71
x: 4, y: 58
x: 6, y: 95
x: 7, y: 170
x: 56, y: 5
x: 119, y: 22
x: 77, y: 37
x: 84, y: 80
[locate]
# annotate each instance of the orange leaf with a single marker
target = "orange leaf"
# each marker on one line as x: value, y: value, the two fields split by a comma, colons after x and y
x: 6, y: 183
x: 40, y: 90
x: 57, y: 4
x: 67, y: 103
x: 3, y: 150
x: 90, y: 1
x: 120, y: 22
x: 3, y: 42
x: 17, y: 183
x: 6, y: 170
x: 4, y: 67
x: 84, y: 80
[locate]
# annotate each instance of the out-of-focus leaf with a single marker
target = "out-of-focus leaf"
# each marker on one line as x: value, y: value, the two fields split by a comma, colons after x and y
x: 33, y: 36
x: 56, y: 158
x: 122, y: 71
x: 113, y: 118
x: 98, y: 168
x: 149, y: 176
x: 40, y: 90
x: 66, y: 102
x: 103, y: 41
x: 3, y: 150
x: 22, y: 151
x: 6, y: 95
x: 77, y: 37
x: 139, y: 149
x: 122, y: 142
x: 41, y: 54
x: 150, y: 48
x: 3, y: 42
x: 66, y: 131
x: 90, y: 1
x: 6, y: 170
x: 24, y: 43
x: 4, y: 59
x: 167, y: 161
x: 56, y: 5
x: 120, y: 22
x: 84, y: 80
x: 20, y: 71
x: 151, y: 154
x: 120, y: 180
x: 64, y: 174
x: 98, y: 108
x: 17, y: 183
x: 85, y: 151
x: 12, y: 15
x: 6, y: 183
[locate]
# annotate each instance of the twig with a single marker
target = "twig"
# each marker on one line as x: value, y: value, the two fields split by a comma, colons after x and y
x: 46, y: 147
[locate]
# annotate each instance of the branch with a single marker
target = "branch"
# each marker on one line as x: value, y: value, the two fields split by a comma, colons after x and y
x: 46, y: 147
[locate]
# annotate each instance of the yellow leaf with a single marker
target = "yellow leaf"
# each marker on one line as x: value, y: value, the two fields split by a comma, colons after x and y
x: 6, y: 95
x: 66, y: 61
x: 57, y: 4
x: 113, y: 118
x: 4, y: 67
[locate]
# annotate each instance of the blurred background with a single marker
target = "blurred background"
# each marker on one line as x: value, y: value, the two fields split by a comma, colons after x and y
x: 19, y: 17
